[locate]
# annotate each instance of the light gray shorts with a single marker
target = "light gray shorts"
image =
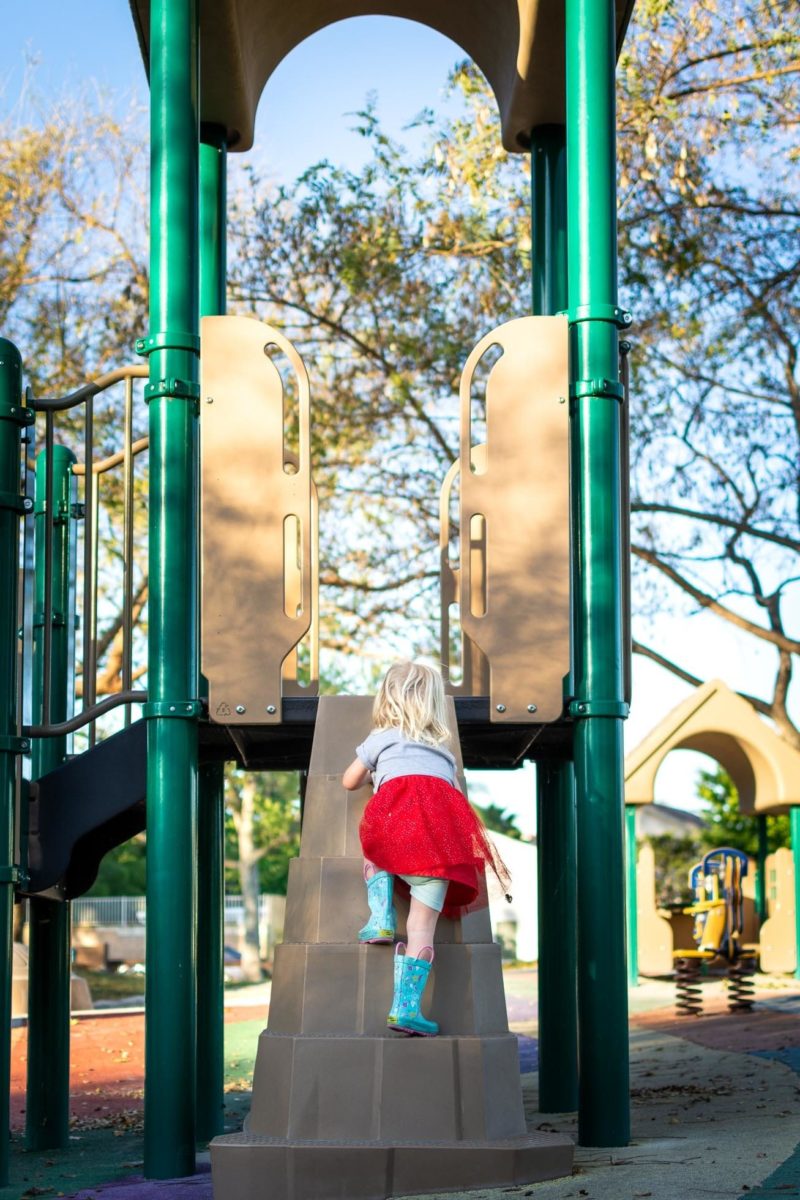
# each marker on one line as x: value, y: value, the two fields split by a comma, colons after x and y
x: 428, y: 891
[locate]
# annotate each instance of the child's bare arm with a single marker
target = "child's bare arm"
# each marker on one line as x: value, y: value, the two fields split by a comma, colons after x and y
x: 355, y: 776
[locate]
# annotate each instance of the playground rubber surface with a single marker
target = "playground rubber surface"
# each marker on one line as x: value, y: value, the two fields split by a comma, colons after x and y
x: 715, y: 1104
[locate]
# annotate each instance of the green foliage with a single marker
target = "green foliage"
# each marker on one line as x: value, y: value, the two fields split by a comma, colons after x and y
x: 674, y: 858
x: 726, y: 825
x: 108, y: 985
x: 262, y: 827
x: 123, y: 871
x: 498, y: 820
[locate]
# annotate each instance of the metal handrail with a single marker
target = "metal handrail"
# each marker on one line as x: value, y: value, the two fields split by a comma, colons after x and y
x: 113, y: 460
x: 62, y: 728
x: 87, y: 391
x: 91, y: 472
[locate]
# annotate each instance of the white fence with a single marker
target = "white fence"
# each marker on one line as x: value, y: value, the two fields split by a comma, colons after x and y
x: 91, y: 912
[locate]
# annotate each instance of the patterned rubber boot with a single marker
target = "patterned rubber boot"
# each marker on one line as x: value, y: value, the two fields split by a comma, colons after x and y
x: 413, y: 977
x: 399, y: 963
x: 380, y: 928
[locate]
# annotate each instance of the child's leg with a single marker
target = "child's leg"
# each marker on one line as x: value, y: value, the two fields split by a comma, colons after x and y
x: 420, y: 927
x: 427, y: 901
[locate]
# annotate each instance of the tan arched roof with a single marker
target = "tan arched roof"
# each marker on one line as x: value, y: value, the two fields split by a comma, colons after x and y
x: 518, y: 44
x: 718, y: 722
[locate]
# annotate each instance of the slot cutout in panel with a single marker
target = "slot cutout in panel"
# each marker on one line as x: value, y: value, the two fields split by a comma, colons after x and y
x: 292, y: 567
x: 477, y: 565
x: 478, y: 409
x: 291, y: 407
x: 455, y: 658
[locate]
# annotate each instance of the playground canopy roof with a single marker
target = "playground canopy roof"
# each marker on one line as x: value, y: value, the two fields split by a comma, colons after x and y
x: 518, y: 44
x: 716, y: 721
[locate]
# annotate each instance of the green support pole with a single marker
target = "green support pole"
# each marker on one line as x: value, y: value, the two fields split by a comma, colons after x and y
x: 598, y: 708
x: 630, y: 907
x: 555, y: 782
x: 549, y: 219
x: 49, y: 921
x: 794, y: 828
x: 12, y: 418
x: 172, y: 707
x: 555, y: 838
x: 761, y: 868
x: 213, y: 209
x: 210, y: 1078
x: 210, y: 1084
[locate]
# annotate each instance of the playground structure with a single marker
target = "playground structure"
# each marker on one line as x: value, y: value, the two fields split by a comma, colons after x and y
x: 557, y: 691
x: 765, y: 770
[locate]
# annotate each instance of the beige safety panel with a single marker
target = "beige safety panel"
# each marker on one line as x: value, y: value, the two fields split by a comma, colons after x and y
x: 257, y: 526
x: 716, y: 721
x: 515, y: 499
x: 778, y: 940
x: 518, y: 44
x: 653, y: 932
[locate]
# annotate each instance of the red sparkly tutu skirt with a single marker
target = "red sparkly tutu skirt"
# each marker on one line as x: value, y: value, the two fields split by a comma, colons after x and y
x: 422, y: 825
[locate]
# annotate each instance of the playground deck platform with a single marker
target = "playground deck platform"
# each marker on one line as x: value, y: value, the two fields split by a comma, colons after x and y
x: 715, y: 1103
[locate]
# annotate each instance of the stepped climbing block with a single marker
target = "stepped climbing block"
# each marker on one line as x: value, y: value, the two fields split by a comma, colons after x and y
x: 343, y: 1106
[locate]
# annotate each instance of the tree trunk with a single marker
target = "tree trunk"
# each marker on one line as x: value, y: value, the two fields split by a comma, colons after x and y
x: 19, y: 921
x: 249, y: 884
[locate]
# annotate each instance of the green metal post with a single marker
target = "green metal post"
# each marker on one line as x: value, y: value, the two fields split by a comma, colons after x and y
x: 210, y: 1084
x: 549, y: 219
x: 603, y: 1110
x: 210, y: 1081
x: 172, y: 706
x: 555, y: 837
x: 49, y: 921
x: 12, y: 418
x: 213, y: 208
x: 794, y: 830
x: 631, y: 897
x: 761, y: 868
x: 555, y: 782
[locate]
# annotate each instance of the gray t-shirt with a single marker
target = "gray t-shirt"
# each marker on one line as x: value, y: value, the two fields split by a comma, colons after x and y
x: 389, y: 755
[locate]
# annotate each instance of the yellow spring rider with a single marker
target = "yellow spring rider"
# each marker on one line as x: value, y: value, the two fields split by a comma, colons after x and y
x: 717, y: 932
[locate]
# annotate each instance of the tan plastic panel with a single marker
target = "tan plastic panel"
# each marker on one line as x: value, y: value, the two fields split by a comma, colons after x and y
x: 653, y: 932
x: 778, y: 939
x: 248, y: 500
x: 716, y: 721
x: 523, y: 496
x: 518, y: 44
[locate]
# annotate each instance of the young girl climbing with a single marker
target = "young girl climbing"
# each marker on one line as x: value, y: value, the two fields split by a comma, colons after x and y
x: 418, y: 831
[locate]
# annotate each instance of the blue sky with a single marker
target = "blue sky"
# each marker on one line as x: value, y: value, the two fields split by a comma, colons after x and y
x: 70, y: 42
x: 54, y: 47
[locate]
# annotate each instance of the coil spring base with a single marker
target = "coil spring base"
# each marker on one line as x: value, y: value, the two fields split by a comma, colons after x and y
x: 741, y: 986
x: 688, y: 994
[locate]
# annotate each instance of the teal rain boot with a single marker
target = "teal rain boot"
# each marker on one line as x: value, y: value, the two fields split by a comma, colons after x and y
x: 380, y: 928
x: 412, y: 976
x: 399, y: 962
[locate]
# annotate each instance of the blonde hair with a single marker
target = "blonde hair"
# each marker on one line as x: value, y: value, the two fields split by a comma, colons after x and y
x: 411, y: 699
